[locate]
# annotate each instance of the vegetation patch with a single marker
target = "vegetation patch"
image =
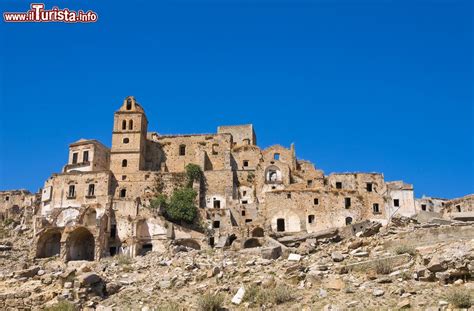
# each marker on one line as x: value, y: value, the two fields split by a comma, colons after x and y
x: 459, y: 297
x: 210, y: 302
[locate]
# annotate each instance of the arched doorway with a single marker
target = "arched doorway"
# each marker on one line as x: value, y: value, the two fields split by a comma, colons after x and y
x: 191, y: 243
x: 49, y: 244
x: 81, y: 245
x: 257, y: 232
x: 250, y: 243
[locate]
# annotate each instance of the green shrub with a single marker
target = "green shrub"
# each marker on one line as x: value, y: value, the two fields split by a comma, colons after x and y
x: 159, y: 202
x: 383, y: 266
x: 193, y: 173
x: 181, y: 206
x: 405, y: 249
x: 210, y: 302
x: 62, y: 306
x: 459, y: 297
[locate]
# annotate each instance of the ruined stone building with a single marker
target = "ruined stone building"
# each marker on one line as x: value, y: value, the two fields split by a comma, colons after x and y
x: 98, y: 205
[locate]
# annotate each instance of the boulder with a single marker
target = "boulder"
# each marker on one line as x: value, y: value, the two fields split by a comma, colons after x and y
x: 237, y: 299
x: 273, y: 252
x: 337, y: 256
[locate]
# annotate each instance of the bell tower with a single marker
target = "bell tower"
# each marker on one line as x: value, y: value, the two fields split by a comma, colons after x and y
x: 128, y: 138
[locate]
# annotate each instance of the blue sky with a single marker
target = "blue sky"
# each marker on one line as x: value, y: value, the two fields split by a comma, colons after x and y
x: 383, y: 86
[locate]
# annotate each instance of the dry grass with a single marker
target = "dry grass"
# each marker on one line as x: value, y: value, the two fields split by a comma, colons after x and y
x: 210, y: 302
x: 123, y: 260
x: 383, y: 266
x: 170, y: 306
x: 459, y: 297
x: 255, y: 295
x: 405, y: 249
x: 62, y: 306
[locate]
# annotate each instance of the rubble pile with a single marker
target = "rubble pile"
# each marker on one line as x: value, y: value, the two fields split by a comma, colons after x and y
x: 377, y: 268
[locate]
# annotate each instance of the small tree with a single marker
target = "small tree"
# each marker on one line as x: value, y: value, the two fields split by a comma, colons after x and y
x: 181, y: 206
x: 193, y: 173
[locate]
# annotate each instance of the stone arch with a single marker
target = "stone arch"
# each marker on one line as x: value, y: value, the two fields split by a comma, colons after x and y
x: 81, y: 245
x: 252, y: 242
x: 49, y: 244
x: 258, y: 232
x: 191, y: 243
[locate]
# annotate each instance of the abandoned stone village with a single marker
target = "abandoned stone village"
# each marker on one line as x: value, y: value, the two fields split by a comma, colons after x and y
x: 108, y: 203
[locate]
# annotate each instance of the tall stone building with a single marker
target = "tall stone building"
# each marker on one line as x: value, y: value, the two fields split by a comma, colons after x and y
x: 99, y: 205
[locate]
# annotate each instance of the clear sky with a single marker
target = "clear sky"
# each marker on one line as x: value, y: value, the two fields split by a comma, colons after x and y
x: 384, y: 86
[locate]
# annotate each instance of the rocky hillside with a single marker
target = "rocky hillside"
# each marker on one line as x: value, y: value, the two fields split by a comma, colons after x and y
x: 403, y: 266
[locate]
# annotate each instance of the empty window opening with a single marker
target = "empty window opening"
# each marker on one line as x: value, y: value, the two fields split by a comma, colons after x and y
x: 211, y: 241
x: 244, y: 193
x: 248, y: 220
x: 74, y: 158
x: 113, y: 231
x: 338, y: 185
x: 316, y: 201
x: 129, y: 104
x: 245, y: 202
x: 458, y: 208
x: 288, y: 195
x: 124, y: 177
x: 347, y: 202
x: 126, y: 140
x: 124, y: 163
x: 182, y: 150
x: 246, y: 141
x: 246, y: 163
x: 276, y: 156
x: 91, y: 190
x: 7, y: 198
x: 216, y: 224
x: 217, y: 203
x: 311, y: 219
x: 309, y: 182
x: 214, y: 149
x: 243, y: 213
x: 85, y: 156
x: 273, y: 187
x: 369, y: 187
x: 113, y: 251
x: 123, y: 193
x: 423, y: 207
x: 130, y: 125
x: 375, y: 208
x: 280, y: 225
x: 348, y: 220
x: 146, y: 248
x: 72, y: 191
x: 124, y: 125
x: 396, y: 202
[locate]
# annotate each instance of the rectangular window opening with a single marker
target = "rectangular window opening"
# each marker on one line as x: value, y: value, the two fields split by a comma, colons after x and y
x: 85, y: 156
x: 396, y: 202
x: 74, y: 157
x: 347, y: 202
x: 338, y: 185
x: 311, y: 219
x: 369, y: 187
x: 316, y: 201
x: 375, y: 208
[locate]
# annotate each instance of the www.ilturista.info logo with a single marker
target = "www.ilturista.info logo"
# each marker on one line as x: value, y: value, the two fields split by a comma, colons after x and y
x: 38, y: 14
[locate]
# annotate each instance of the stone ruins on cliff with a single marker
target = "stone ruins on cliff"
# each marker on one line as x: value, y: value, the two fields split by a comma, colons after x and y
x: 99, y: 204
